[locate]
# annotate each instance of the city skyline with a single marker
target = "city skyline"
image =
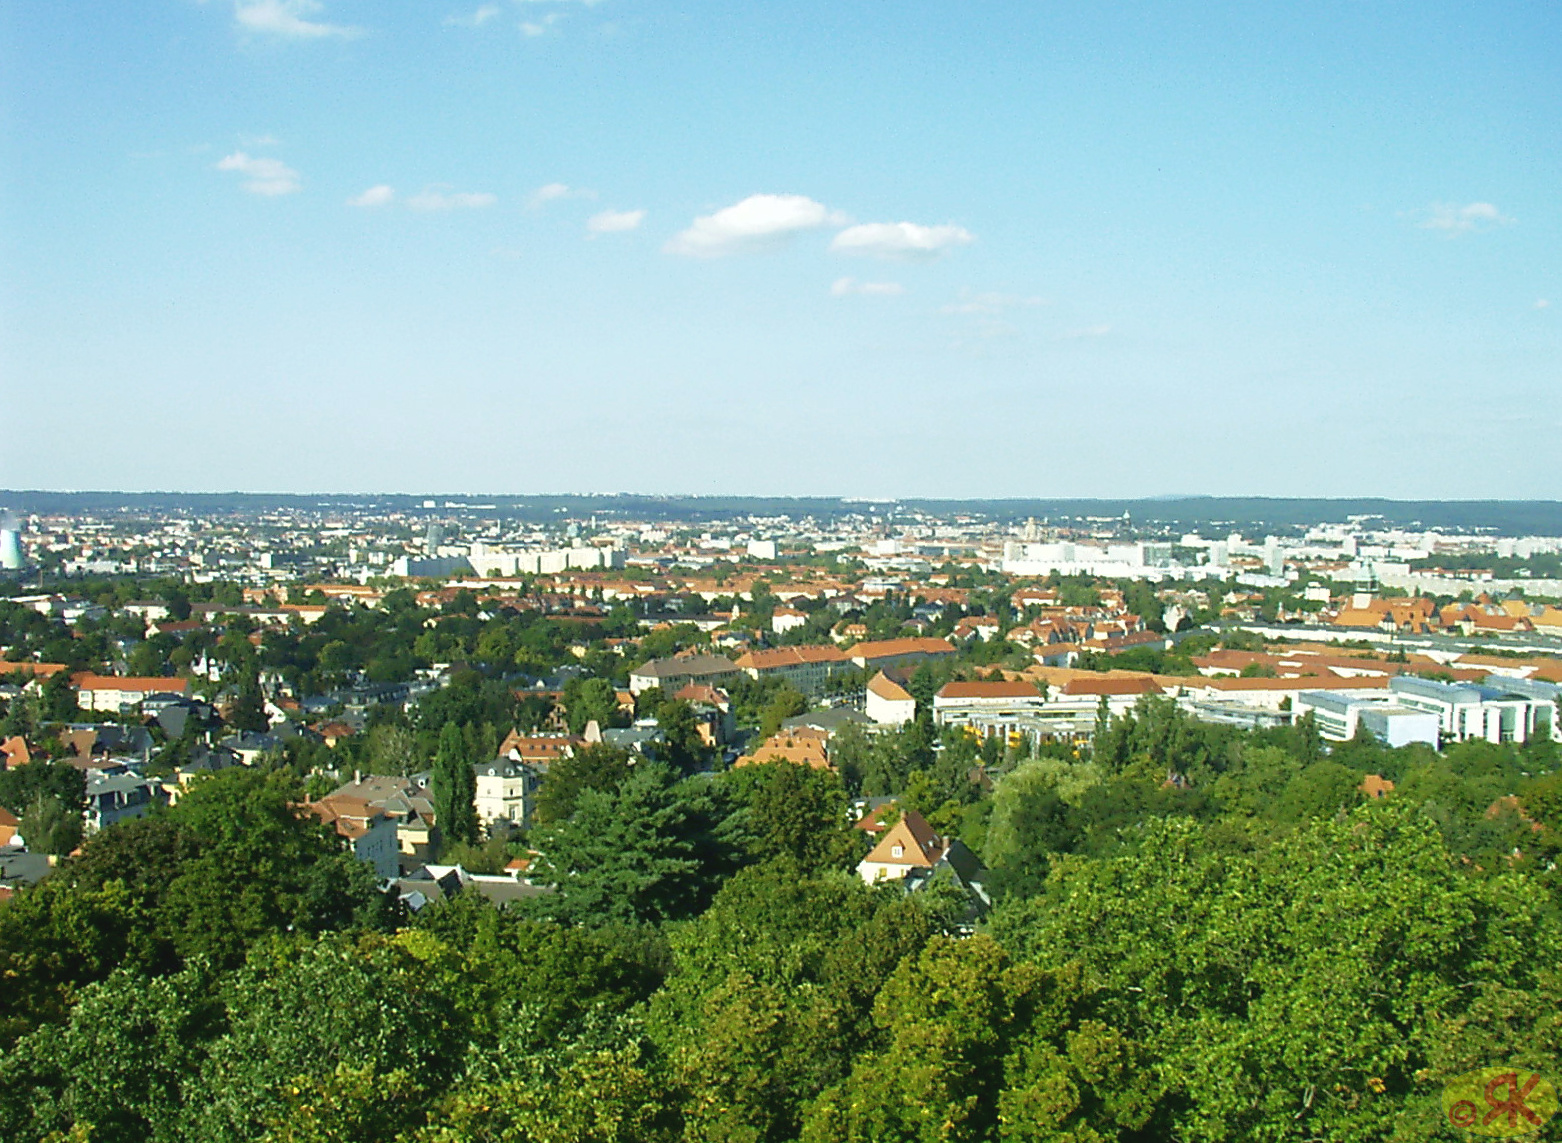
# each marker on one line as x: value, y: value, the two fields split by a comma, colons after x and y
x: 288, y: 245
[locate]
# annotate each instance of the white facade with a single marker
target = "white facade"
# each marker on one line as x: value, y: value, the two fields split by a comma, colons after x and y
x: 1466, y: 712
x: 1339, y: 715
x: 378, y: 847
x: 888, y: 703
x: 505, y: 789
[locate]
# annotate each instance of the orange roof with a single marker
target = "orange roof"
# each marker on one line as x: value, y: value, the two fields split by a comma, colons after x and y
x: 351, y: 817
x: 1375, y: 786
x: 701, y: 693
x: 914, y: 838
x: 887, y: 688
x: 90, y: 682
x: 778, y: 657
x: 38, y: 670
x: 540, y: 747
x: 804, y: 746
x: 1107, y: 685
x: 14, y: 752
x: 8, y: 820
x: 1305, y: 683
x: 872, y: 822
x: 888, y: 648
x: 988, y: 690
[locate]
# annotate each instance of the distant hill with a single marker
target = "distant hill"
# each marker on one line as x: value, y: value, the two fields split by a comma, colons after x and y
x: 1507, y: 517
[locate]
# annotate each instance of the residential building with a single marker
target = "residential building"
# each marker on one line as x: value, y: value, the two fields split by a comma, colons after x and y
x: 370, y: 832
x: 784, y: 619
x: 409, y: 805
x: 506, y: 789
x: 886, y: 653
x: 990, y: 707
x: 805, y: 746
x: 118, y: 797
x: 673, y: 674
x: 116, y: 693
x: 908, y: 844
x: 889, y: 703
x: 808, y: 669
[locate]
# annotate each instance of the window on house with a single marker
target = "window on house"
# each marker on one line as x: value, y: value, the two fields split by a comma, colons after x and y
x: 898, y: 851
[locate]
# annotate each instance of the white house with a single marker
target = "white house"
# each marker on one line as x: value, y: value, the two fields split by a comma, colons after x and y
x: 506, y: 788
x: 889, y: 703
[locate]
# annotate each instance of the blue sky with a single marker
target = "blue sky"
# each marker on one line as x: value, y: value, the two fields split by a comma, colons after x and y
x: 878, y: 249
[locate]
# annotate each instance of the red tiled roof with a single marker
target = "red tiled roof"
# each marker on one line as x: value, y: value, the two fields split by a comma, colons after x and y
x: 989, y: 690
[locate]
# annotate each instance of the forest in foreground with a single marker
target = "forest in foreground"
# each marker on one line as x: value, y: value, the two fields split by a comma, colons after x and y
x: 1254, y: 951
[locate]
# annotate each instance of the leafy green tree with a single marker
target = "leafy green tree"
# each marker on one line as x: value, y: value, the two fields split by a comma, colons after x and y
x: 647, y: 851
x: 22, y: 786
x: 772, y: 993
x: 1292, y: 993
x: 50, y: 827
x: 118, y: 1066
x: 59, y: 699
x: 388, y: 1017
x: 795, y: 812
x: 1031, y: 821
x: 598, y: 767
x: 685, y: 749
x: 455, y: 787
x: 784, y: 704
x: 605, y: 1087
x: 591, y: 700
x: 513, y: 977
x: 1322, y: 789
x: 980, y: 1047
x: 249, y: 708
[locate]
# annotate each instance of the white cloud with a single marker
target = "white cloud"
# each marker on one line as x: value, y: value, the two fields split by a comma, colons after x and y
x: 759, y: 222
x: 375, y: 196
x: 474, y: 19
x: 903, y: 240
x: 1455, y: 219
x: 842, y: 287
x: 614, y: 221
x: 538, y: 27
x: 455, y: 200
x: 1542, y: 303
x: 262, y: 175
x: 988, y: 303
x: 287, y: 18
x: 553, y: 192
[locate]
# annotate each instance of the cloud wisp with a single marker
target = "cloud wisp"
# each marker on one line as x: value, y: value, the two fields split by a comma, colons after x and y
x: 847, y: 287
x: 477, y: 19
x: 1451, y: 218
x: 438, y: 200
x: 555, y: 192
x: 614, y: 221
x: 262, y: 175
x: 989, y: 303
x: 759, y: 222
x: 530, y: 28
x: 288, y: 19
x: 901, y: 241
x: 380, y: 195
